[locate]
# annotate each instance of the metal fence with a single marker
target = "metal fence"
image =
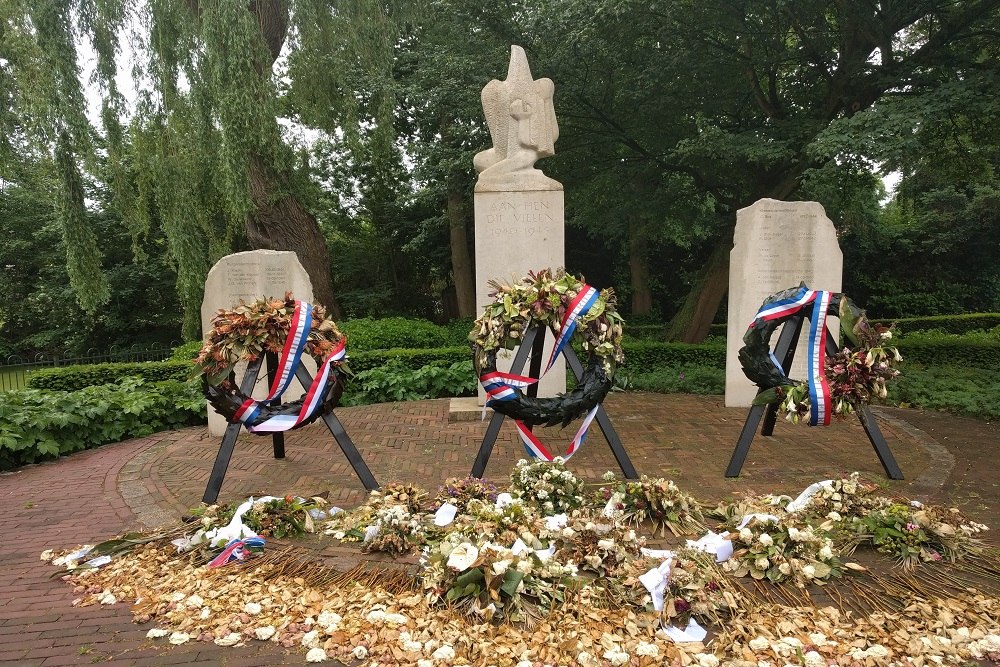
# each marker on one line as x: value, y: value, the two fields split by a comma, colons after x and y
x: 15, y: 369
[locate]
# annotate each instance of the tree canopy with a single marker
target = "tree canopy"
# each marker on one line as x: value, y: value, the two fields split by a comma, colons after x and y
x: 673, y: 115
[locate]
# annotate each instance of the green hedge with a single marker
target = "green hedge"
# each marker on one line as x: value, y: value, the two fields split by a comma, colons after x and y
x: 646, y: 354
x: 413, y: 359
x: 955, y: 324
x: 931, y: 348
x: 366, y: 334
x: 74, y: 378
x: 38, y: 424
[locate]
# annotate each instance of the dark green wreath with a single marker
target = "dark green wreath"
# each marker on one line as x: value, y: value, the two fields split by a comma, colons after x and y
x: 755, y: 353
x: 592, y: 388
x: 226, y: 398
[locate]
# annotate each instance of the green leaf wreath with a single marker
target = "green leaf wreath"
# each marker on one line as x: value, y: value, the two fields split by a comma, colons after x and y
x: 544, y: 298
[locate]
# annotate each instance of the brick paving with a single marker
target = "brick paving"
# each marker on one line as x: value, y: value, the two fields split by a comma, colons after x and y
x: 151, y: 481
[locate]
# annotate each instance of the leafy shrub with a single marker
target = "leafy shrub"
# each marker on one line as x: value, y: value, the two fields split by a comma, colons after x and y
x: 413, y: 359
x: 458, y: 331
x: 187, y: 351
x: 956, y: 324
x: 644, y: 355
x: 36, y: 425
x: 74, y: 378
x: 971, y: 392
x: 684, y: 379
x: 396, y: 381
x: 935, y: 348
x: 364, y: 334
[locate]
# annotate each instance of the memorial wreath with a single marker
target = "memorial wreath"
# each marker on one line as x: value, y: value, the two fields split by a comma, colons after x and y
x: 571, y: 309
x: 855, y: 375
x: 288, y: 328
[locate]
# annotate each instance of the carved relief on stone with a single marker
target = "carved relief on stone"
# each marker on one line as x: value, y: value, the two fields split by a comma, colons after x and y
x: 522, y: 122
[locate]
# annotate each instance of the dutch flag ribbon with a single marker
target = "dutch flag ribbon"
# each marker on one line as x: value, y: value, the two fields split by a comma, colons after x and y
x: 288, y: 364
x: 819, y: 388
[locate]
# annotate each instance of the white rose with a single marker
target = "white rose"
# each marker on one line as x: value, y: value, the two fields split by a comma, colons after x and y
x: 252, y: 608
x: 179, y: 638
x: 316, y: 655
x: 587, y: 660
x: 746, y: 535
x: 616, y: 656
x: 265, y: 632
x: 809, y: 571
x: 766, y: 540
x: 329, y: 620
x: 444, y: 653
x: 463, y: 556
x: 647, y: 649
x: 360, y: 652
x: 375, y: 616
x: 500, y: 566
x: 395, y: 619
x: 759, y: 643
x: 834, y: 516
x: 814, y: 659
x: 311, y: 639
x: 232, y: 639
x: 762, y: 563
x: 785, y: 569
x: 195, y: 601
x: 826, y: 553
x: 156, y: 633
x: 706, y: 660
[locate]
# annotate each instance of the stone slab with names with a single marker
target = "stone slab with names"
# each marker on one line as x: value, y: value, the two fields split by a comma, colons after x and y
x: 250, y: 276
x: 776, y: 246
x: 519, y: 211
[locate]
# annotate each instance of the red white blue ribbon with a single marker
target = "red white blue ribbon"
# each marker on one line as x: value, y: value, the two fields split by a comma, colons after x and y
x: 819, y: 388
x: 502, y: 386
x: 288, y: 364
x: 536, y: 450
x: 291, y: 354
x: 579, y: 307
x: 311, y: 401
x: 237, y: 550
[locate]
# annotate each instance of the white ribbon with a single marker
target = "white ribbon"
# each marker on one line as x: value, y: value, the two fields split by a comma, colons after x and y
x: 692, y: 633
x: 656, y: 581
x: 803, y: 499
x: 714, y: 543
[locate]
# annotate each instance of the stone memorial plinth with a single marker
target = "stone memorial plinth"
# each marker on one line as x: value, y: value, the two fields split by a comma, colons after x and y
x: 250, y: 276
x: 518, y: 210
x: 776, y: 246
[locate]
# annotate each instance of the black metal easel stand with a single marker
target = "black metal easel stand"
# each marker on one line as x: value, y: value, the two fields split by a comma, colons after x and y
x: 785, y: 351
x: 278, y: 439
x: 532, y: 344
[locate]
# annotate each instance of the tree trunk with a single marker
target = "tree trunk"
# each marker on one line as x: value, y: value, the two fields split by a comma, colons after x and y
x: 691, y: 323
x: 638, y: 264
x: 280, y: 222
x: 461, y: 259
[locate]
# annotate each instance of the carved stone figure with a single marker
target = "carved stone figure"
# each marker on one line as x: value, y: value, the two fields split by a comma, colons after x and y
x: 522, y: 122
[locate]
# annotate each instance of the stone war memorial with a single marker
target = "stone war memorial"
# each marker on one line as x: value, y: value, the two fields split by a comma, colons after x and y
x: 776, y: 246
x: 519, y: 214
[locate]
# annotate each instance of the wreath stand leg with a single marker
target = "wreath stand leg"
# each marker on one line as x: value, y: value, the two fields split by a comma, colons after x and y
x: 278, y: 439
x: 785, y: 351
x: 533, y: 343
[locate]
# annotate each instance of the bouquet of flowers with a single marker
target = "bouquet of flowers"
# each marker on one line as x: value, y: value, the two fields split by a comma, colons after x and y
x: 658, y: 500
x: 547, y: 485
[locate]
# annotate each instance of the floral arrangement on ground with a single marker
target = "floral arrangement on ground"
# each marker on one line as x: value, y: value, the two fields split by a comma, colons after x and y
x: 548, y: 570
